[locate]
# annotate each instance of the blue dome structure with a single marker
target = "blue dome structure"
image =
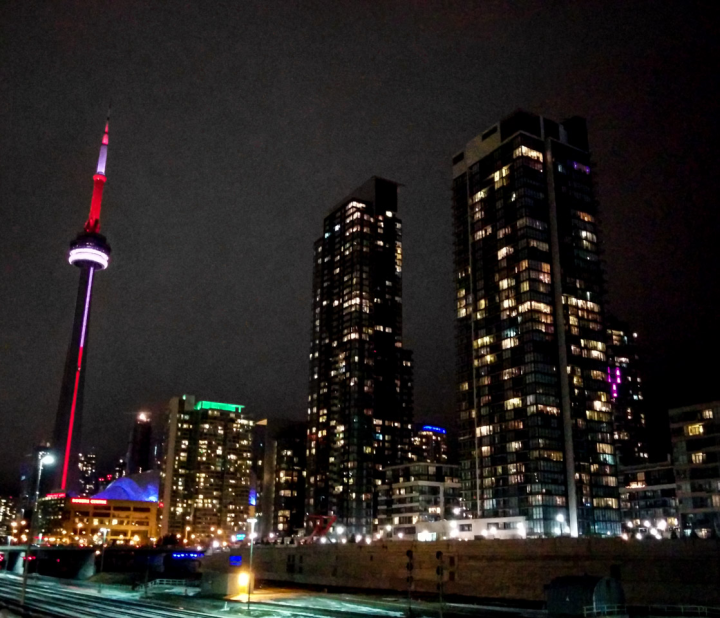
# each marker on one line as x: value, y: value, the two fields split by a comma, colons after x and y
x: 142, y: 487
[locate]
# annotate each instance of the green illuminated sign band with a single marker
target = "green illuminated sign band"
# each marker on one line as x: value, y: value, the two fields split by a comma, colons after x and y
x: 213, y: 405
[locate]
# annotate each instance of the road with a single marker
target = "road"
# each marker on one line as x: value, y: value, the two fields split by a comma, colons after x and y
x: 83, y: 601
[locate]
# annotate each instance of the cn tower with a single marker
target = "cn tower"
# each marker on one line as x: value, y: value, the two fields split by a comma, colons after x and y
x: 90, y: 253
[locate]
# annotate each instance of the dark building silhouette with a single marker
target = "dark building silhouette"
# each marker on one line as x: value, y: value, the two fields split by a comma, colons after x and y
x: 360, y: 404
x: 536, y: 425
x: 91, y: 254
x: 631, y: 439
x: 140, y: 450
x: 281, y: 477
x: 88, y: 480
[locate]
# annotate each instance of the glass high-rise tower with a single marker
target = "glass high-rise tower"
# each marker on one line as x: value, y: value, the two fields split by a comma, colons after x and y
x: 360, y: 402
x: 631, y: 436
x: 536, y: 426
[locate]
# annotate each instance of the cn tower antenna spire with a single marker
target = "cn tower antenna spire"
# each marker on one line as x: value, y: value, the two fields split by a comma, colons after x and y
x: 93, y: 222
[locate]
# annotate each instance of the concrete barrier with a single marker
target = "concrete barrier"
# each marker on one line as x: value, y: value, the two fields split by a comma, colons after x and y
x: 658, y: 572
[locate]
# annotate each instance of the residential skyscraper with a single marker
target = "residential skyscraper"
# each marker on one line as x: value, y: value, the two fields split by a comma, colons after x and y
x: 536, y: 426
x: 90, y: 253
x: 360, y: 403
x: 626, y: 395
x: 206, y: 471
x: 140, y: 453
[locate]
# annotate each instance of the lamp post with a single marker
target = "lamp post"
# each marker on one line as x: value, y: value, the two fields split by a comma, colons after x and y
x: 43, y: 459
x: 251, y: 521
x: 104, y: 532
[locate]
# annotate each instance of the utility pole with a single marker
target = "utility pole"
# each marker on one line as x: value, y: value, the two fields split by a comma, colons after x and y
x: 251, y: 579
x: 104, y: 532
x: 47, y: 459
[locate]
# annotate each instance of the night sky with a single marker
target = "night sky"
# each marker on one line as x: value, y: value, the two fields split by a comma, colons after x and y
x: 237, y: 125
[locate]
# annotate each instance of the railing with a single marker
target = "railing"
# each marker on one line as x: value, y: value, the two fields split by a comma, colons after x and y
x: 180, y: 583
x: 651, y: 611
x: 592, y: 611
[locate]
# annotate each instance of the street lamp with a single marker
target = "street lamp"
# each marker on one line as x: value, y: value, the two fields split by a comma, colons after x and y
x: 46, y: 459
x: 251, y: 521
x: 104, y: 532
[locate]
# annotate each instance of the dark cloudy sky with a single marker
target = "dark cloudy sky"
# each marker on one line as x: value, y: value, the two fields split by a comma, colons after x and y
x: 236, y: 125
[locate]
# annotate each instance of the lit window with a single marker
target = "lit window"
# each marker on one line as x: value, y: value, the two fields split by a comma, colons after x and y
x: 707, y: 414
x: 504, y: 252
x: 694, y: 430
x: 698, y: 458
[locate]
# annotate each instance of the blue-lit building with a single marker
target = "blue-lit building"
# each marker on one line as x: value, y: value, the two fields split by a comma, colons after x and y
x: 429, y: 443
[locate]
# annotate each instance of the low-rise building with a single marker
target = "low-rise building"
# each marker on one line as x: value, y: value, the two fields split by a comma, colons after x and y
x: 470, y: 529
x: 417, y: 492
x: 63, y: 520
x: 695, y: 434
x: 648, y: 498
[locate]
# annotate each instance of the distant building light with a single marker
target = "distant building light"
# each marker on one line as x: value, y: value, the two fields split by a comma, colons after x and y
x: 433, y: 429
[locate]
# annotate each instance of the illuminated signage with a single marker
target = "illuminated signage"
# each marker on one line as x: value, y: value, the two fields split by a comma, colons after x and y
x: 235, y: 560
x: 55, y: 496
x: 252, y: 499
x: 88, y: 501
x: 433, y: 429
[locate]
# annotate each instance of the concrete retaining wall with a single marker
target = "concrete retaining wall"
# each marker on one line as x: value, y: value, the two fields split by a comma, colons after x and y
x: 662, y: 572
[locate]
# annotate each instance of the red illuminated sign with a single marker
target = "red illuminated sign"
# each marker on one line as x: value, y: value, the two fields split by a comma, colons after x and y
x: 55, y: 496
x: 88, y: 501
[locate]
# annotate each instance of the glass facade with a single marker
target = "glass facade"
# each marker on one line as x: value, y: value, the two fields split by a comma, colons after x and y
x: 360, y: 396
x: 533, y: 398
